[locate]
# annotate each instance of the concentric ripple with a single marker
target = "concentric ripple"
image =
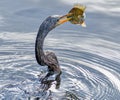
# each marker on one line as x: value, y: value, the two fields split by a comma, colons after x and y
x: 88, y: 82
x: 87, y: 72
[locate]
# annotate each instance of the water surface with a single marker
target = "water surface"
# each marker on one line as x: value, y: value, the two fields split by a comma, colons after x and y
x: 89, y: 57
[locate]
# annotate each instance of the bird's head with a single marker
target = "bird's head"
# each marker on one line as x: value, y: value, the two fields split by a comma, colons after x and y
x: 53, y: 21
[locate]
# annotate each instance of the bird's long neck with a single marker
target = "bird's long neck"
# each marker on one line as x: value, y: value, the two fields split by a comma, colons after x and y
x: 39, y: 53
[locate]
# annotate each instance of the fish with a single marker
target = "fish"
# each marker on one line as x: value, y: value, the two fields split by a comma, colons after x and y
x: 77, y: 15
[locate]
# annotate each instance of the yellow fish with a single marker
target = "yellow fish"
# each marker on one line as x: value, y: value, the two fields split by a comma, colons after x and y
x: 77, y: 15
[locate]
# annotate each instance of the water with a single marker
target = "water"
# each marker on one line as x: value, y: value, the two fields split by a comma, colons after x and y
x: 89, y: 57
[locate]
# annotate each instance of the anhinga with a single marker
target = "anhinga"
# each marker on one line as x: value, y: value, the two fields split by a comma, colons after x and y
x: 75, y: 16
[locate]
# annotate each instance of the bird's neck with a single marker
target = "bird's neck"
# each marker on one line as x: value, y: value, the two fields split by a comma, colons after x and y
x: 40, y: 56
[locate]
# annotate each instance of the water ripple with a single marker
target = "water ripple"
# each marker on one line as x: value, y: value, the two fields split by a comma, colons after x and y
x: 88, y: 72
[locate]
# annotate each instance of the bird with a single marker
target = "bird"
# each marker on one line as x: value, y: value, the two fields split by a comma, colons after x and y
x: 49, y: 58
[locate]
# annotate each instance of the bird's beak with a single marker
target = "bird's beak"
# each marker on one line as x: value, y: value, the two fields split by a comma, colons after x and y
x: 63, y: 19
